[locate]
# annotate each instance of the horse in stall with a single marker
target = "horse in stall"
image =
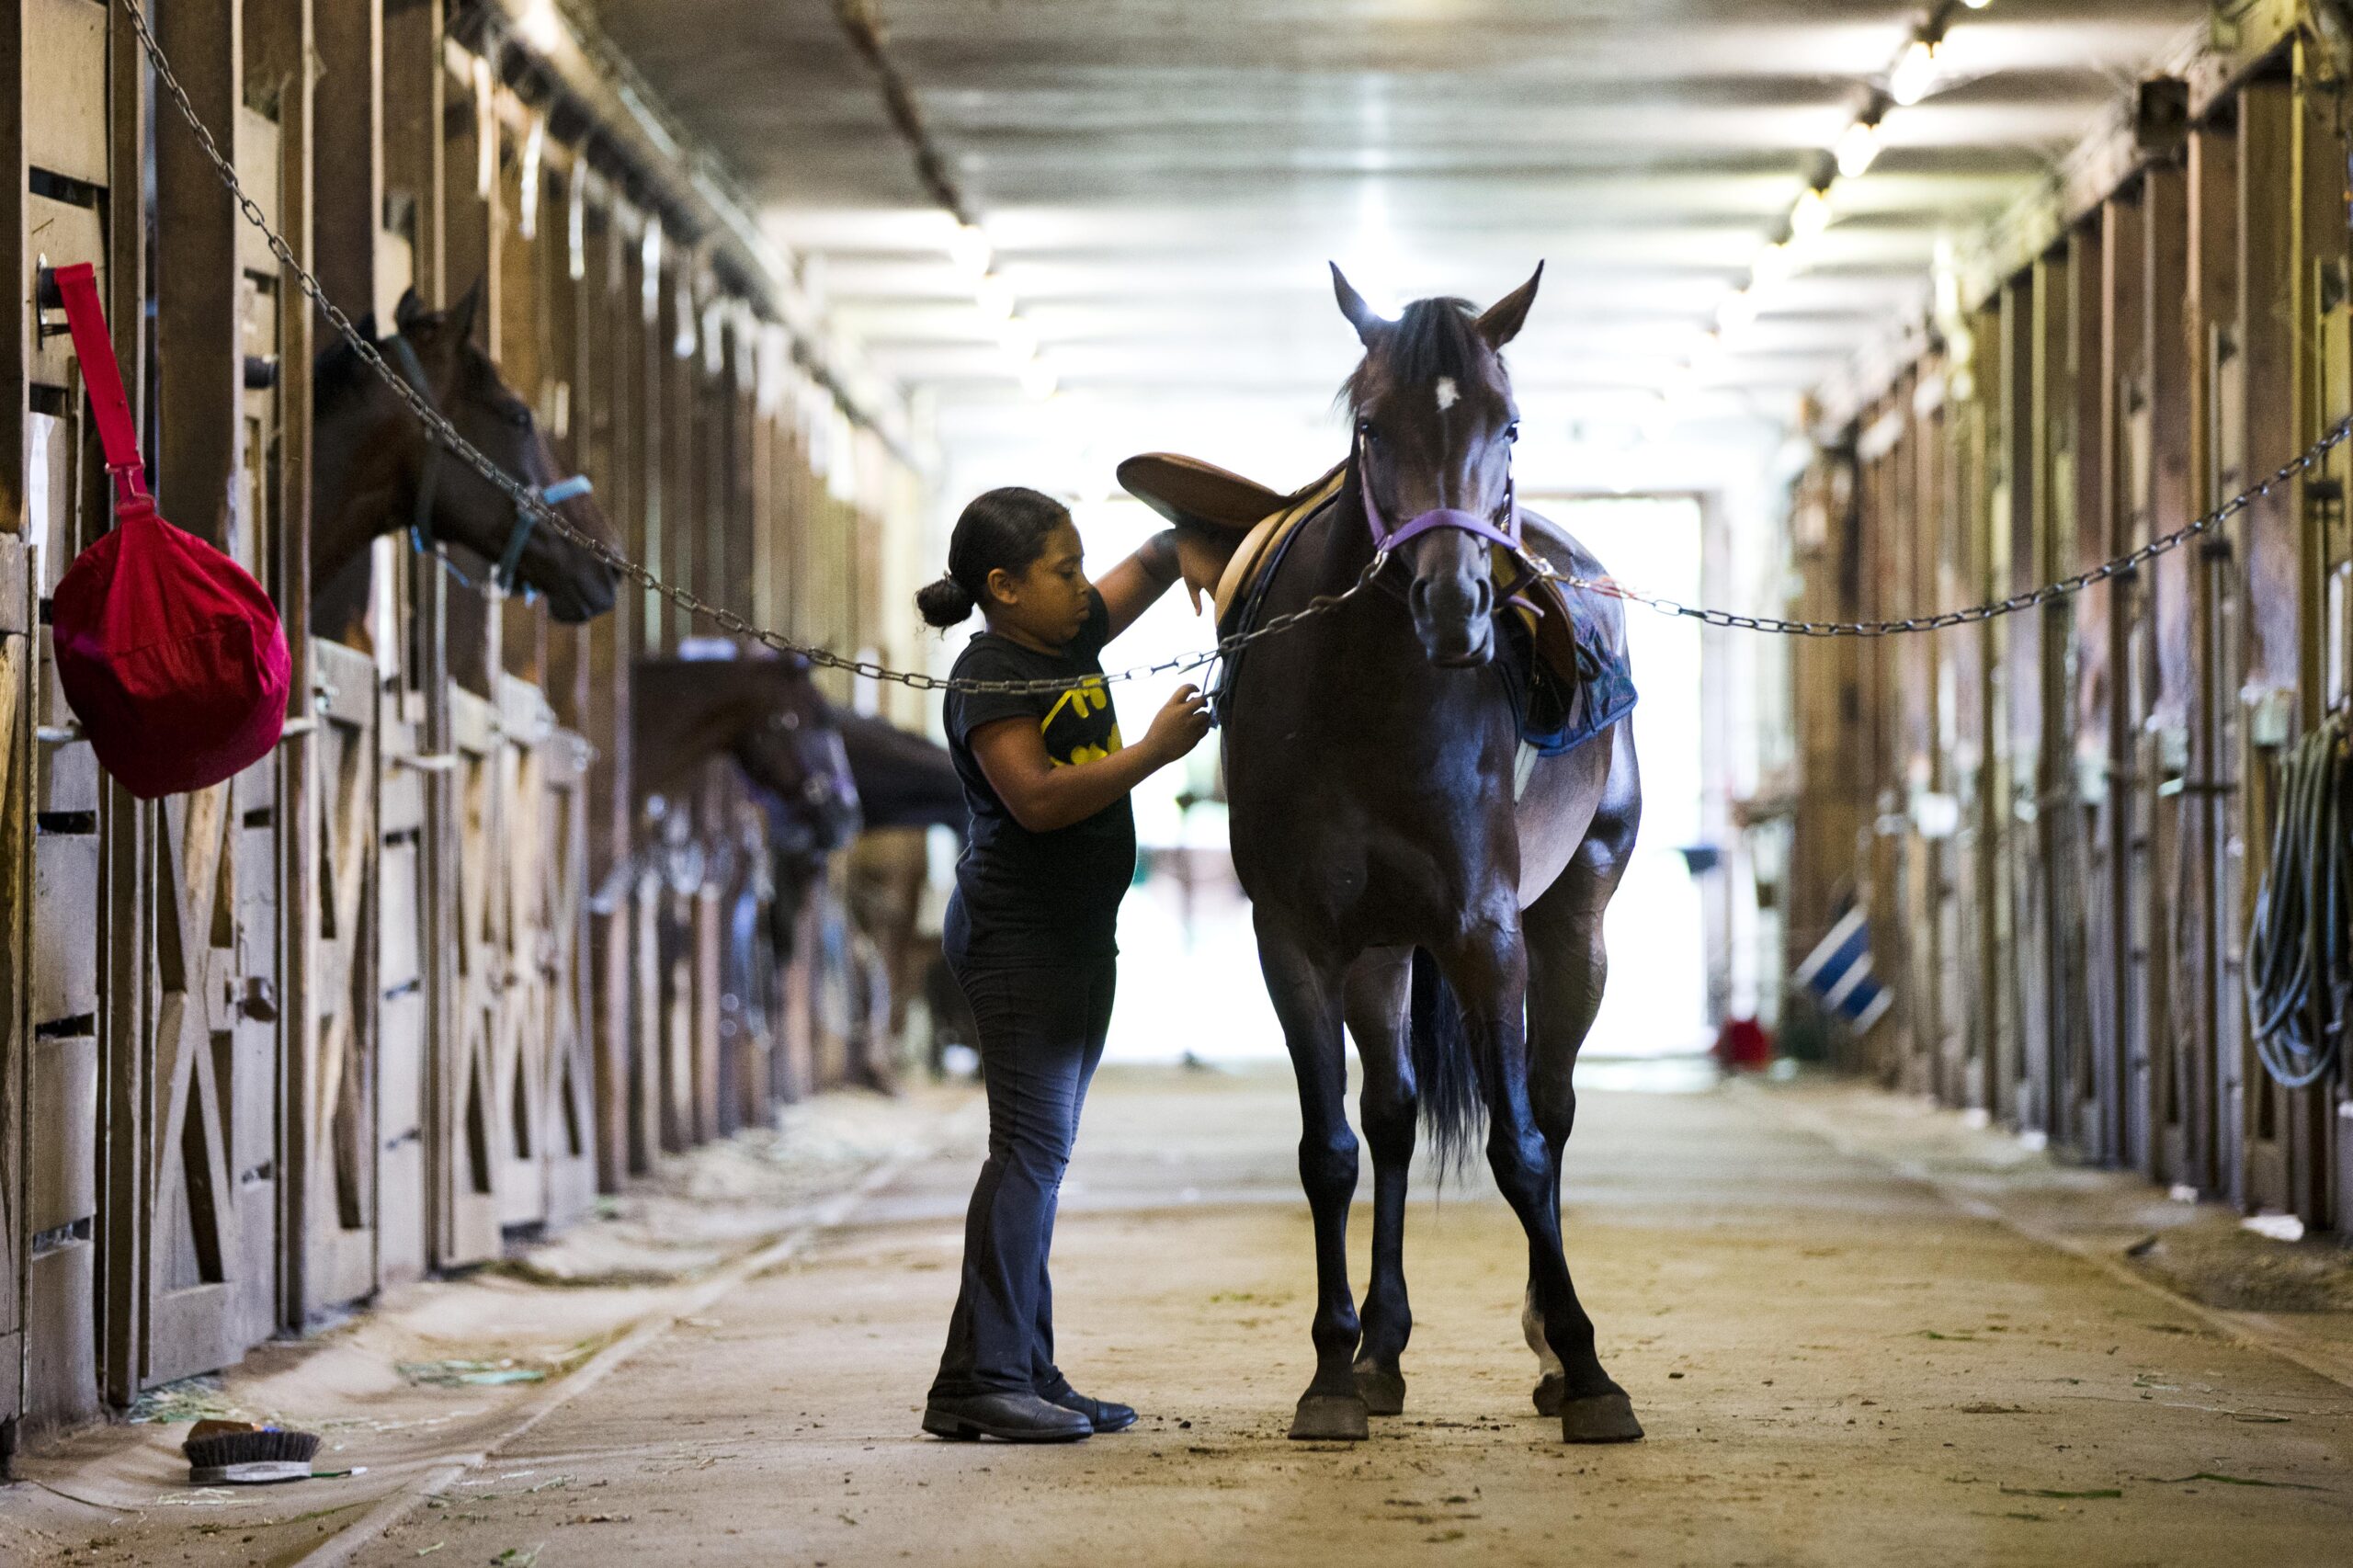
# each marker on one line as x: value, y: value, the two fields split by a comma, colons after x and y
x: 820, y: 777
x: 798, y: 804
x: 907, y: 783
x: 1402, y: 885
x: 375, y: 471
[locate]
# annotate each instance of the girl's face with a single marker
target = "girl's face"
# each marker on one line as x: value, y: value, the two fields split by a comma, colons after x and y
x: 1048, y: 603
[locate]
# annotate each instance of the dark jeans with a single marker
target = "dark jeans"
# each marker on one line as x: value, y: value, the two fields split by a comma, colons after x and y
x: 1041, y: 1033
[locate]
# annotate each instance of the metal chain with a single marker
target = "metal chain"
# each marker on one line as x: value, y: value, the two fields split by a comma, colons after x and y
x: 2048, y: 593
x: 440, y: 429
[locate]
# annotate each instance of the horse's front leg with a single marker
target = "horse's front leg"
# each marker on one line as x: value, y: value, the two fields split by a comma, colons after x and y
x: 1304, y: 985
x: 1375, y: 1000
x: 1489, y: 971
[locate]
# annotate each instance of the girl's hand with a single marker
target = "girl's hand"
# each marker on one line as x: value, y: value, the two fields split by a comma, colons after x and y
x: 1179, y: 725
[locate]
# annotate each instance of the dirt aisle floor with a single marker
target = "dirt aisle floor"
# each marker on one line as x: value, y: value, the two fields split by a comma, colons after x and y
x: 1835, y: 1364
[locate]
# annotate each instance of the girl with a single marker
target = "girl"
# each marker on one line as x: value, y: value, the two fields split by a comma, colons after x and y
x: 1028, y: 933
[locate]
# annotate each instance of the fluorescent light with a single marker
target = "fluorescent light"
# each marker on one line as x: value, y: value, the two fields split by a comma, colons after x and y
x: 1977, y: 5
x: 1811, y: 215
x: 1858, y: 145
x: 968, y: 247
x: 1915, y: 73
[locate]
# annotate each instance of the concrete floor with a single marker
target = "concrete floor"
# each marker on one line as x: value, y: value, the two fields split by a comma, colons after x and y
x: 1838, y: 1362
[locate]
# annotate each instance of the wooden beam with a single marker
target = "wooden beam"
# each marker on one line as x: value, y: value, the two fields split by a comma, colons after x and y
x: 348, y: 46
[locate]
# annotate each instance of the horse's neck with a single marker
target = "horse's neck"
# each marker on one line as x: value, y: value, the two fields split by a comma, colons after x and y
x: 679, y: 725
x: 354, y: 491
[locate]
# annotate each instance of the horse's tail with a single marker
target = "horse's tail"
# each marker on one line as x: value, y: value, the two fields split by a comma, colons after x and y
x: 1445, y: 1070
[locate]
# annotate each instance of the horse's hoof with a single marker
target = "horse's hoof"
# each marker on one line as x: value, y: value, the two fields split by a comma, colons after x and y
x: 1551, y: 1393
x: 1600, y: 1418
x: 1330, y: 1418
x: 1383, y: 1393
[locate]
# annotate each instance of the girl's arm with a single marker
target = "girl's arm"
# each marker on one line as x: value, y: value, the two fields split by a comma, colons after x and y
x: 1198, y: 555
x: 1042, y: 797
x: 1129, y: 588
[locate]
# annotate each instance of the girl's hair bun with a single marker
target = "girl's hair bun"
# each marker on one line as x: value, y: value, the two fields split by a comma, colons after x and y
x: 943, y: 604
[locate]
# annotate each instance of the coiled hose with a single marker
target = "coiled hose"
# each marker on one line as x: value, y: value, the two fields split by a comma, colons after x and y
x: 2300, y: 979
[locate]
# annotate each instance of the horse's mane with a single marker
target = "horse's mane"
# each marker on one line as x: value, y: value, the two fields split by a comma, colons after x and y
x: 340, y: 372
x: 1434, y: 338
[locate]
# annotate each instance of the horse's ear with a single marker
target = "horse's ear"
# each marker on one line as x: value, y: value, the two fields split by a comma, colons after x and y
x: 462, y: 314
x: 1363, y: 317
x: 1502, y: 320
x: 409, y: 311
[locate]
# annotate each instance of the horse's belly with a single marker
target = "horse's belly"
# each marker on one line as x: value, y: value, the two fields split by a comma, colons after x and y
x: 1556, y: 811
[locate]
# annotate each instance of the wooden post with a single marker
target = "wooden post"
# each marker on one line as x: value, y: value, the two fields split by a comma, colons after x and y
x: 279, y: 60
x: 2122, y: 1062
x: 2172, y: 1104
x: 2268, y: 310
x: 2211, y: 274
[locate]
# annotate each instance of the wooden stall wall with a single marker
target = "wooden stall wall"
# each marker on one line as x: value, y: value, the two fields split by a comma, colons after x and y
x: 2109, y: 761
x: 392, y: 999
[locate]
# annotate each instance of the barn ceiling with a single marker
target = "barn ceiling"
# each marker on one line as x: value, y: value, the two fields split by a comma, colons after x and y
x: 1160, y: 183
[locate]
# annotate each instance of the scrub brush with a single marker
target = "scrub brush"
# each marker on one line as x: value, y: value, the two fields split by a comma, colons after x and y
x: 239, y: 1453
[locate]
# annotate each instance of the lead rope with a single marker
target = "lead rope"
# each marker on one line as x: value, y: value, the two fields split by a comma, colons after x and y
x: 530, y: 504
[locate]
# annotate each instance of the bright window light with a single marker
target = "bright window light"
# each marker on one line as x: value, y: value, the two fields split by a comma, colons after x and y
x: 1737, y: 313
x: 1020, y: 340
x: 1977, y: 5
x: 1038, y: 380
x: 1914, y: 73
x: 1857, y: 147
x: 995, y: 298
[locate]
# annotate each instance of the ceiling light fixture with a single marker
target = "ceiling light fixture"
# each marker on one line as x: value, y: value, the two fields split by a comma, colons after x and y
x: 542, y: 26
x: 1915, y: 73
x: 1858, y: 145
x: 968, y: 247
x: 1811, y: 215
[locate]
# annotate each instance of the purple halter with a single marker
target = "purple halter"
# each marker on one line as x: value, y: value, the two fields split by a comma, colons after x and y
x: 1505, y: 536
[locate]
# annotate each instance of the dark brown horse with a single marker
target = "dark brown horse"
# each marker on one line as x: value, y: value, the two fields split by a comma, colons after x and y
x: 374, y: 472
x: 1370, y: 760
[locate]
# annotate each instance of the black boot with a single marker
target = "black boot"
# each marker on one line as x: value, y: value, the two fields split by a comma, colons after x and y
x: 1014, y: 1417
x: 1100, y: 1414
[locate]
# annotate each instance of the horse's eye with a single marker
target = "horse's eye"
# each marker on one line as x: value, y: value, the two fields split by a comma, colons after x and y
x: 1511, y: 431
x: 1366, y: 431
x: 519, y: 417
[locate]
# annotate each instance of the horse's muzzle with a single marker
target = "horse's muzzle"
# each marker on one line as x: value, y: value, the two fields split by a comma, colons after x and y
x: 1454, y: 620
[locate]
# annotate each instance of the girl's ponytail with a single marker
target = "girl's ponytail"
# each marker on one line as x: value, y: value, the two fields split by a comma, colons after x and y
x: 943, y: 604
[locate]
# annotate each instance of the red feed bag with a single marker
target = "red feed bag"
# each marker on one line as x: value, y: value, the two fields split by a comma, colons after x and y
x: 171, y: 656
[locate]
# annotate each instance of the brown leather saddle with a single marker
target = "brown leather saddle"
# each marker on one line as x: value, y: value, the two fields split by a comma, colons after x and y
x: 1196, y: 495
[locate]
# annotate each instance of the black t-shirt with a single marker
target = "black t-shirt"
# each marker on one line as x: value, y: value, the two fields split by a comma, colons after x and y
x: 1039, y: 899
